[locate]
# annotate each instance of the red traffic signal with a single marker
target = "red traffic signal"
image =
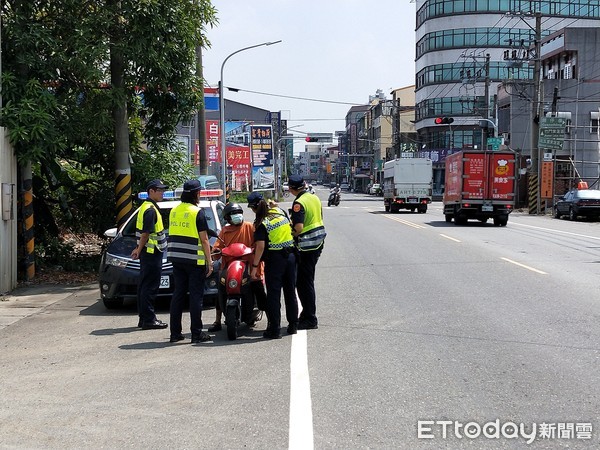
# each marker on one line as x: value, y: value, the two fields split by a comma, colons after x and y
x: 443, y: 120
x: 311, y: 139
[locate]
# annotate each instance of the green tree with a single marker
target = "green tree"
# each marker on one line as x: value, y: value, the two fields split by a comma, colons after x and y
x: 89, y: 86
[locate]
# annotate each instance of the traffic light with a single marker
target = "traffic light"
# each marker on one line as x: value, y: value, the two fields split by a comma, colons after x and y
x: 443, y: 120
x: 311, y: 139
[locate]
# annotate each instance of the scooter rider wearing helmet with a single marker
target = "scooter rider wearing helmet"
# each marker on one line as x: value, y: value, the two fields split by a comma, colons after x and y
x: 238, y: 231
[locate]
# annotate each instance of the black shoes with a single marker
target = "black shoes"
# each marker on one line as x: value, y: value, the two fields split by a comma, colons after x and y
x: 292, y: 328
x: 215, y: 327
x: 271, y: 335
x: 307, y: 326
x: 177, y: 338
x: 202, y: 337
x: 156, y: 325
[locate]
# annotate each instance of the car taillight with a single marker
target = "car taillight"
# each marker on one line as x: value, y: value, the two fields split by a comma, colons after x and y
x: 508, y: 206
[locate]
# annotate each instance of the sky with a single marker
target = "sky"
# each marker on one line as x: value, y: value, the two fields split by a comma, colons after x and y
x: 332, y: 50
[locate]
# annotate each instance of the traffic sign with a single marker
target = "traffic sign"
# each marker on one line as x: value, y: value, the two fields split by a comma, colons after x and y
x: 553, y: 122
x: 495, y: 142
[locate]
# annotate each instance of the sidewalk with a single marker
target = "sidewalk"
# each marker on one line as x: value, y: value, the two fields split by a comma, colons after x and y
x: 26, y: 301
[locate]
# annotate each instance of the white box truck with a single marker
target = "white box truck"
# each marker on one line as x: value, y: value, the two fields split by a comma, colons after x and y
x: 407, y: 184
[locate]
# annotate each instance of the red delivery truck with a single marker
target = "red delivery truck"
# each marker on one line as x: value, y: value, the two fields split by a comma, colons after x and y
x: 480, y: 185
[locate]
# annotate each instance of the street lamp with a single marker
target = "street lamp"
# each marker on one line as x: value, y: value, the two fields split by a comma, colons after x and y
x: 222, y: 115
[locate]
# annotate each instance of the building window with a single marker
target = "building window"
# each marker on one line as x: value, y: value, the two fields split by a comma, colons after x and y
x: 561, y: 8
x: 594, y: 126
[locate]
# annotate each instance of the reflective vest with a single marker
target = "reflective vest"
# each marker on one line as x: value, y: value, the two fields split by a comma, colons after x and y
x: 313, y: 232
x: 279, y: 230
x: 157, y: 238
x: 184, y: 239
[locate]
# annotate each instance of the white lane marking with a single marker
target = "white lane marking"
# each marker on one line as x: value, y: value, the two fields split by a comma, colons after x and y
x: 301, y: 423
x: 556, y: 231
x: 405, y: 222
x: 448, y: 237
x: 524, y: 266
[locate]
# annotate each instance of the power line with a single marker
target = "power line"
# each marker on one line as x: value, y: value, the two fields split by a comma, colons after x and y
x: 294, y: 97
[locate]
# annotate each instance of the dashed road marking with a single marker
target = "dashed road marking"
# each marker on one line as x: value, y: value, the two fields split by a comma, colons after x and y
x: 448, y: 237
x: 524, y: 266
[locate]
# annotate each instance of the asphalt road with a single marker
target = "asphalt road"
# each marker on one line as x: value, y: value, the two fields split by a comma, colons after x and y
x: 419, y: 320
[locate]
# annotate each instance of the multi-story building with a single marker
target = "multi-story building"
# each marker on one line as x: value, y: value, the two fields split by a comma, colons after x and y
x: 460, y: 53
x: 569, y: 86
x: 404, y: 135
x: 352, y: 148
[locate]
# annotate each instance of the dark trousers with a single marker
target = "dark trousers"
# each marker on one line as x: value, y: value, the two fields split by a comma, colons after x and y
x: 280, y: 273
x: 187, y: 278
x: 305, y: 284
x: 150, y: 271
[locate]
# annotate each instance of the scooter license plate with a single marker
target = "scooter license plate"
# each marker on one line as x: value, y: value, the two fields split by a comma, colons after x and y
x: 165, y: 282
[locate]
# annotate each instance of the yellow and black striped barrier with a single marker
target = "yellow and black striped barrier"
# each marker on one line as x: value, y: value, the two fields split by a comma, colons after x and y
x: 28, y: 230
x: 534, y: 195
x: 124, y: 202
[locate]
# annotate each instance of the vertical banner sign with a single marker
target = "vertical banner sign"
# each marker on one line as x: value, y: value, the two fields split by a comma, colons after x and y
x: 238, y: 158
x: 547, y: 179
x: 212, y: 141
x: 261, y: 143
x: 211, y: 99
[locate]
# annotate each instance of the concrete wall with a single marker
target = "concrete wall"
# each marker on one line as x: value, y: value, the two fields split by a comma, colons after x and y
x: 8, y: 219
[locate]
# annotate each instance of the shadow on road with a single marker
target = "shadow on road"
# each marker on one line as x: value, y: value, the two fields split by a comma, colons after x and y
x: 245, y: 336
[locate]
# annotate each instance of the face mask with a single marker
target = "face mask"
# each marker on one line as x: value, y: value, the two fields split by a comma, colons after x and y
x: 236, y: 219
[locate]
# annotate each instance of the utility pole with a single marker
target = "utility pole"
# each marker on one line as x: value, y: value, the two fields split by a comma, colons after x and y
x: 201, y: 119
x: 485, y: 130
x: 537, y: 111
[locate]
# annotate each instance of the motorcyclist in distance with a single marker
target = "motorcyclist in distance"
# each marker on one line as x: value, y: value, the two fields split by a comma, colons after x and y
x: 310, y: 189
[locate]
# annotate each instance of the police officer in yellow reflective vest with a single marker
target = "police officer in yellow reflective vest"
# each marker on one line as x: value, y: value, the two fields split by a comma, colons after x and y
x: 275, y: 245
x: 309, y: 231
x: 151, y: 242
x: 189, y: 251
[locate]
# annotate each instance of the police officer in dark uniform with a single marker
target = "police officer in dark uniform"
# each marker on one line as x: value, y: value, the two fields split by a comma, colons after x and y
x: 274, y: 244
x: 309, y: 231
x: 151, y: 242
x: 189, y: 251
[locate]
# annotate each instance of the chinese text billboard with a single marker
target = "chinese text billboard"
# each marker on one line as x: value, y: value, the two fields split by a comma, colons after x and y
x: 261, y: 143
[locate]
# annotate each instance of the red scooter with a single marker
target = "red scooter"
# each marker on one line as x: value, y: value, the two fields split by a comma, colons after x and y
x: 237, y: 303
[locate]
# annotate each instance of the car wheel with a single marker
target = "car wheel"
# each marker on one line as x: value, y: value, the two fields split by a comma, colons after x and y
x: 113, y: 303
x: 572, y: 215
x: 557, y: 214
x: 448, y: 218
x: 387, y: 208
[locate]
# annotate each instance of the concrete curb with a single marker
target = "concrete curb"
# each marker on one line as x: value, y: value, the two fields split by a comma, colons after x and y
x: 29, y: 300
